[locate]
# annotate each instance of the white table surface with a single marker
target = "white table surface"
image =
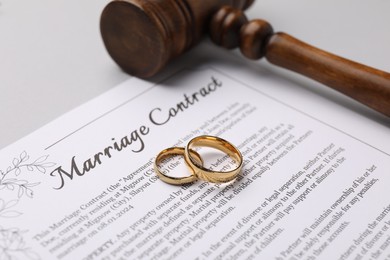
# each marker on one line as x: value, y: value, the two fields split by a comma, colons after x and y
x: 52, y: 58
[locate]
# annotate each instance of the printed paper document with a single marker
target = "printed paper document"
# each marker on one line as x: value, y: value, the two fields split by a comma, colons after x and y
x: 83, y: 187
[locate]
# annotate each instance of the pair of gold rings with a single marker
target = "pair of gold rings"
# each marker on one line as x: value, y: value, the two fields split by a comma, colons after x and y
x: 195, y: 162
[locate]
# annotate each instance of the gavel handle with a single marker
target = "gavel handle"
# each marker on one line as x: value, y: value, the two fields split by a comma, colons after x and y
x: 230, y: 28
x: 362, y: 83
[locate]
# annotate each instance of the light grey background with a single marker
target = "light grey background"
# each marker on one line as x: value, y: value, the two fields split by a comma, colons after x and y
x: 52, y: 58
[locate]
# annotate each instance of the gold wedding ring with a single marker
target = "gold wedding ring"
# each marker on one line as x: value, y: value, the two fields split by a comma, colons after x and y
x: 176, y: 180
x: 195, y: 163
x: 217, y: 143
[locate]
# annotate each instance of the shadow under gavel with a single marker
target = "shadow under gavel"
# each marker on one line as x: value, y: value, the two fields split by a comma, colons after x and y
x: 142, y: 36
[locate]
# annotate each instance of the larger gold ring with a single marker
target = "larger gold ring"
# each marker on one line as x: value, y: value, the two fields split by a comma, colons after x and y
x: 171, y: 179
x: 217, y: 143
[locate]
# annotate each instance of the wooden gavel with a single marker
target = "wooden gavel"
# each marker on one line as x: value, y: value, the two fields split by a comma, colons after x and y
x: 142, y: 36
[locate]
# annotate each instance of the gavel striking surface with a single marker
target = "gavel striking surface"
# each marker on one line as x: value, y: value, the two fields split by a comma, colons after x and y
x: 142, y: 36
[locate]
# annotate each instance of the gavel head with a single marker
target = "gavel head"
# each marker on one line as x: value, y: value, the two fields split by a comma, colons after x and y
x: 142, y: 36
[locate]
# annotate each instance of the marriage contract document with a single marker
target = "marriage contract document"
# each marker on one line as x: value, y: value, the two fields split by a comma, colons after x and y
x: 83, y: 186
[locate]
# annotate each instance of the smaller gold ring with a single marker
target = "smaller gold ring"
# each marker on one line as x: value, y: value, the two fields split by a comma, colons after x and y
x: 176, y: 180
x: 217, y: 143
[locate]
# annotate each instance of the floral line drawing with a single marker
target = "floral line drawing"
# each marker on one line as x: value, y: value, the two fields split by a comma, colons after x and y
x: 19, y: 164
x: 13, y: 246
x: 12, y: 243
x: 5, y: 211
